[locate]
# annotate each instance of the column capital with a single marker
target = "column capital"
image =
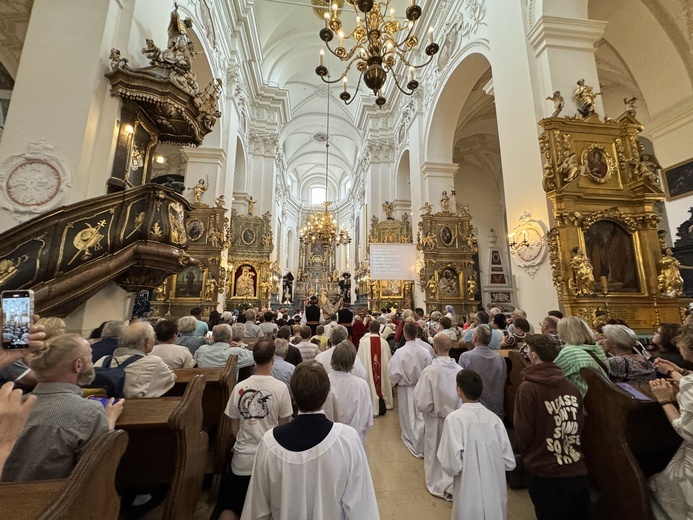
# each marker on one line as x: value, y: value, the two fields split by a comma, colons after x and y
x: 435, y: 170
x: 565, y: 33
x: 201, y: 154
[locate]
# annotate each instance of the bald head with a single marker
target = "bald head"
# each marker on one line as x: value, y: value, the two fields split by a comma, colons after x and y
x: 442, y: 343
x: 138, y: 336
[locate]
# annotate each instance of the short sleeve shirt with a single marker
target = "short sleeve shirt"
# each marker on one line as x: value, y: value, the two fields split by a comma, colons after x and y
x: 258, y: 403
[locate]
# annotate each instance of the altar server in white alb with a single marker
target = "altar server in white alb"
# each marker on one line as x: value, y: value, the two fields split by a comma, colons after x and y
x: 349, y: 401
x: 406, y: 366
x: 311, y: 468
x: 475, y: 450
x: 435, y: 397
x: 375, y: 354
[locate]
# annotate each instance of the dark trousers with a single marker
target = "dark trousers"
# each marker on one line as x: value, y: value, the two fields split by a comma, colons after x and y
x: 565, y: 498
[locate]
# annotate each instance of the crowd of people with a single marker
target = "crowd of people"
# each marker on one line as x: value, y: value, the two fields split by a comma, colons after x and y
x: 319, y: 383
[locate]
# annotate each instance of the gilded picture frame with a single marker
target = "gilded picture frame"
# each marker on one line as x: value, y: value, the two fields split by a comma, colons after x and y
x: 598, y: 164
x: 678, y: 180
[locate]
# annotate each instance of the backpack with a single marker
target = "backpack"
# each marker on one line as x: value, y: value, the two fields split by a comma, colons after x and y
x: 112, y: 379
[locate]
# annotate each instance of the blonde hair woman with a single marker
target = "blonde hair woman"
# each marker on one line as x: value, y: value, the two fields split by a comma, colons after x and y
x: 53, y: 326
x: 579, y: 350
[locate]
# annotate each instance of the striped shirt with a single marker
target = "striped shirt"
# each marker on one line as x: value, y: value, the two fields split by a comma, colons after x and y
x: 572, y: 358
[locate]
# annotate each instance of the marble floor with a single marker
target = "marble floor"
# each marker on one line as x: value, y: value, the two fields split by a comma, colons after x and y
x: 399, y: 482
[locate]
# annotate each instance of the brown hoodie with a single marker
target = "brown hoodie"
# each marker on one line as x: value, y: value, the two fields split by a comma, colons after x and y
x: 548, y: 422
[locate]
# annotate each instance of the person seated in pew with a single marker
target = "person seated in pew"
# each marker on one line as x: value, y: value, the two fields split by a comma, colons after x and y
x: 281, y: 369
x: 625, y: 363
x: 517, y: 338
x: 109, y: 340
x: 269, y: 326
x: 579, y: 350
x: 549, y: 327
x: 175, y: 356
x: 257, y: 404
x: 308, y: 350
x: 349, y: 401
x: 311, y: 467
x: 61, y: 422
x: 320, y: 339
x: 251, y: 329
x: 663, y: 341
x: 218, y: 353
x: 548, y: 421
x: 293, y: 355
x: 237, y: 335
x: 52, y: 326
x: 672, y: 488
x: 187, y: 337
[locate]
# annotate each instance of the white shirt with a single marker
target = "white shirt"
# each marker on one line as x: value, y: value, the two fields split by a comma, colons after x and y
x: 149, y: 376
x: 217, y: 354
x: 308, y: 350
x: 175, y: 356
x: 258, y: 403
x: 349, y: 402
x: 364, y: 356
x: 325, y: 359
x: 330, y: 481
x: 476, y: 451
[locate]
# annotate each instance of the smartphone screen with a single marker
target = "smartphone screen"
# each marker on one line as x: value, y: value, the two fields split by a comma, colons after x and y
x: 17, y: 310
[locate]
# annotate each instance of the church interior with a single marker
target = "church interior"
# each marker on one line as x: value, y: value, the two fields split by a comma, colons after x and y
x: 450, y: 157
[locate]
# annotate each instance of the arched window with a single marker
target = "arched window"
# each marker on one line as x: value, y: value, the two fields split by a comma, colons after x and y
x: 317, y: 195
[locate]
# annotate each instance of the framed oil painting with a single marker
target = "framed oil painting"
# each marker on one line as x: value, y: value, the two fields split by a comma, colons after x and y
x: 189, y: 283
x: 679, y: 180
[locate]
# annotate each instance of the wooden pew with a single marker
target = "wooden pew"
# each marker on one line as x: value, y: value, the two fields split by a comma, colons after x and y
x: 515, y: 364
x: 625, y: 441
x: 220, y: 383
x: 167, y: 446
x: 88, y: 493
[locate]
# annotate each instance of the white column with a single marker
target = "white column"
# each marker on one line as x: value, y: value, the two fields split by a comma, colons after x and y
x: 206, y: 163
x: 437, y: 178
x: 518, y: 135
x: 262, y: 163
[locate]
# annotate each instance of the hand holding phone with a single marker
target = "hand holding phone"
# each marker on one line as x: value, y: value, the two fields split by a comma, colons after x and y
x: 17, y: 312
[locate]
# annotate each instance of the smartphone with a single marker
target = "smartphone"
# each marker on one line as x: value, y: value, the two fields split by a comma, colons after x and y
x: 102, y: 400
x: 17, y: 310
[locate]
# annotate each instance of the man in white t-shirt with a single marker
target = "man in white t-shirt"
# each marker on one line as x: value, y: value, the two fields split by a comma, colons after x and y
x: 257, y: 404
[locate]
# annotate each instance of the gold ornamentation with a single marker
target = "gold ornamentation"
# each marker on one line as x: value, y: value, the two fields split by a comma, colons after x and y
x: 220, y: 202
x: 555, y: 260
x: 630, y: 105
x: 156, y: 230
x: 138, y: 222
x: 558, y: 104
x: 585, y: 96
x: 211, y: 288
x: 426, y: 208
x: 199, y: 190
x: 8, y: 268
x: 549, y: 183
x: 87, y: 239
x: 589, y: 315
x: 445, y: 202
x: 432, y: 286
x: 251, y: 205
x: 389, y: 209
x: 429, y: 241
x: 582, y: 280
x: 471, y: 286
x: 161, y: 292
x: 621, y: 154
x: 176, y: 218
x: 669, y: 281
x: 597, y: 163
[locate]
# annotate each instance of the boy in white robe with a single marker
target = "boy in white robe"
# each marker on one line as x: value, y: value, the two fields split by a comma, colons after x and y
x: 374, y: 353
x: 350, y: 397
x: 311, y: 468
x: 476, y: 451
x: 435, y: 398
x: 405, y: 368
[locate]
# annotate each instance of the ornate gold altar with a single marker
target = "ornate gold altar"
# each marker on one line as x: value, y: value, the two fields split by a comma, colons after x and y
x: 607, y: 259
x: 447, y: 268
x: 389, y: 293
x: 201, y: 283
x: 317, y: 274
x: 252, y: 279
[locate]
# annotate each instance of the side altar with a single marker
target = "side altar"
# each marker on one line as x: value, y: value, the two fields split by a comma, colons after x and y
x: 608, y: 257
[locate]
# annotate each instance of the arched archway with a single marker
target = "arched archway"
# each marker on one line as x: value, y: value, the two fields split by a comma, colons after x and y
x: 239, y: 173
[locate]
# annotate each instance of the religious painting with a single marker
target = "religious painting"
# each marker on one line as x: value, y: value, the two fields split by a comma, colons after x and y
x: 195, y: 229
x: 390, y: 238
x: 446, y: 235
x: 390, y: 289
x: 245, y: 282
x: 448, y: 284
x: 679, y: 180
x: 597, y: 163
x: 611, y: 252
x: 189, y: 283
x: 248, y: 236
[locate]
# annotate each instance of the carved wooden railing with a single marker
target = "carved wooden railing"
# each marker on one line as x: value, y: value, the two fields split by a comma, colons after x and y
x: 136, y: 238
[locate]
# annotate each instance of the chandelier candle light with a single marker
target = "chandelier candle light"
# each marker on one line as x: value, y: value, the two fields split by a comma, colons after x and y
x: 378, y: 44
x: 321, y: 226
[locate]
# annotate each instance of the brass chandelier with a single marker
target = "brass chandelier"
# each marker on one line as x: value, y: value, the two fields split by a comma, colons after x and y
x: 378, y: 45
x: 321, y: 226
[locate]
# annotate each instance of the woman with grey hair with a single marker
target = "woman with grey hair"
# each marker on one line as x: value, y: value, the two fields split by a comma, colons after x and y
x: 187, y: 338
x: 237, y: 334
x: 625, y: 363
x: 349, y: 401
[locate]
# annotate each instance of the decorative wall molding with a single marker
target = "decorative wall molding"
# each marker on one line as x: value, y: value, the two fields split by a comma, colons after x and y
x: 33, y: 182
x: 530, y: 248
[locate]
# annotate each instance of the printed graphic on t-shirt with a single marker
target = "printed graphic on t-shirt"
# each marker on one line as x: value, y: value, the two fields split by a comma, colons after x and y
x: 254, y: 404
x: 565, y: 439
